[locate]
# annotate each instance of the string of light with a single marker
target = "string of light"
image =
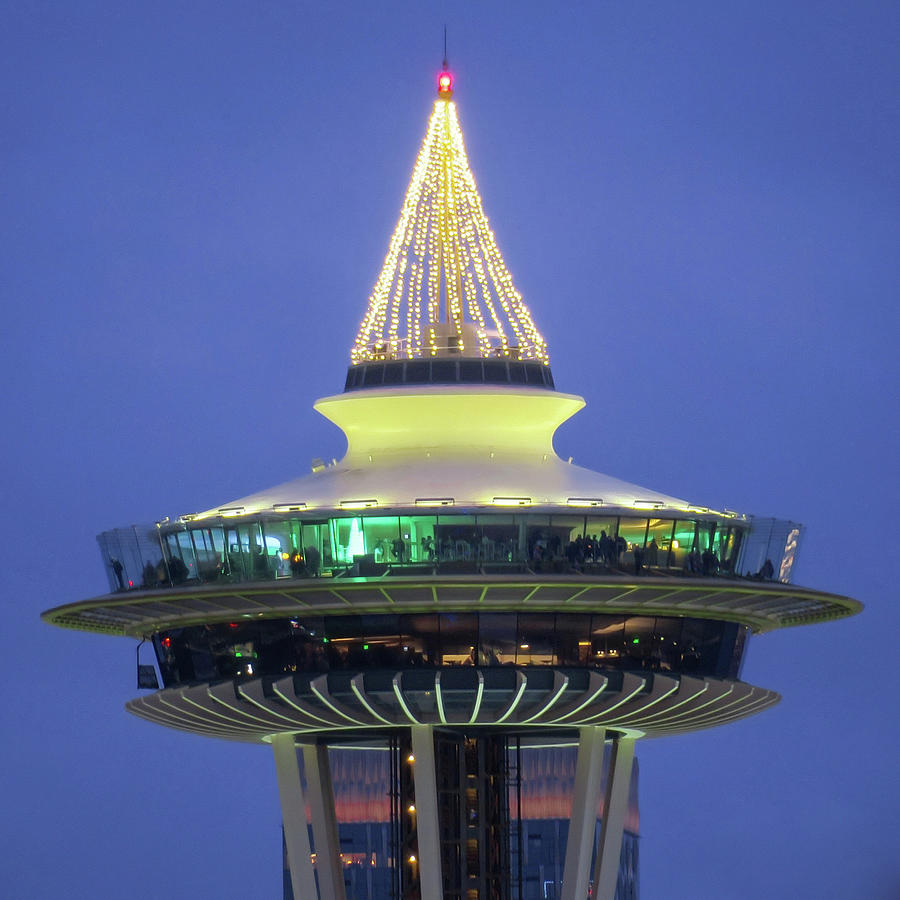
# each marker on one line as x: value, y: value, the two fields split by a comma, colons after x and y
x: 443, y: 274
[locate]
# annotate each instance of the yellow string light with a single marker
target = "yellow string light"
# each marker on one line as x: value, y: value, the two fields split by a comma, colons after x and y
x: 443, y: 265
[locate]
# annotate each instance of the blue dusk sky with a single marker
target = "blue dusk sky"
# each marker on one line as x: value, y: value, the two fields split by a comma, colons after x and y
x: 700, y: 204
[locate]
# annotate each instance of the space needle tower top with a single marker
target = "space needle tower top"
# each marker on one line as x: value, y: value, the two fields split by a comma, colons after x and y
x: 451, y: 587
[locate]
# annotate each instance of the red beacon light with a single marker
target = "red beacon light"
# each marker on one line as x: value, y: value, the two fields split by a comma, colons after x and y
x: 445, y: 85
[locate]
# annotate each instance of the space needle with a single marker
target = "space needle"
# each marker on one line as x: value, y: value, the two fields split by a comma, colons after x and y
x: 451, y: 590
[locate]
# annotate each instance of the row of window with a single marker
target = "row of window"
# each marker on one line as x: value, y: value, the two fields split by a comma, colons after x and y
x: 448, y: 371
x: 269, y: 548
x: 274, y: 647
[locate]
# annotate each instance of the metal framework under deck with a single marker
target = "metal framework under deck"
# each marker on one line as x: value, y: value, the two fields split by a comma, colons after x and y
x: 450, y: 814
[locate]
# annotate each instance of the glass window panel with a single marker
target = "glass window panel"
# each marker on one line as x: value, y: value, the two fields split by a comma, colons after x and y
x: 277, y: 535
x: 496, y: 639
x: 458, y: 538
x: 443, y: 371
x: 381, y: 642
x: 704, y: 532
x: 632, y: 533
x: 499, y: 538
x: 458, y: 638
x: 725, y: 541
x: 659, y: 541
x: 683, y: 542
x: 309, y: 649
x: 639, y: 641
x: 597, y: 524
x: 417, y: 372
x: 209, y: 557
x: 569, y: 528
x: 420, y: 639
x: 418, y: 533
x: 495, y: 371
x: 573, y: 639
x: 296, y: 534
x: 194, y: 642
x: 233, y: 557
x: 177, y: 570
x: 382, y: 539
x: 165, y: 657
x: 393, y: 373
x: 315, y: 541
x: 517, y: 373
x: 633, y: 530
x: 535, y: 639
x: 254, y: 548
x: 666, y: 643
x: 374, y: 374
x: 347, y: 540
x: 188, y: 554
x: 719, y: 538
x: 737, y: 653
x: 607, y: 639
x: 602, y: 533
x: 519, y: 548
x: 534, y: 373
x: 709, y: 557
x: 344, y: 648
x: 727, y: 637
x: 541, y: 544
x: 338, y: 628
x: 470, y: 371
x: 734, y: 553
x: 699, y: 645
x: 218, y: 539
x: 568, y: 531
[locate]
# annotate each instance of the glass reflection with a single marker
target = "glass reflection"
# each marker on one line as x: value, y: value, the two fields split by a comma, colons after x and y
x: 272, y: 547
x: 313, y: 644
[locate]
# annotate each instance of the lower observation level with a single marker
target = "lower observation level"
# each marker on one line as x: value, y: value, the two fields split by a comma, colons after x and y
x: 450, y: 675
x: 457, y: 673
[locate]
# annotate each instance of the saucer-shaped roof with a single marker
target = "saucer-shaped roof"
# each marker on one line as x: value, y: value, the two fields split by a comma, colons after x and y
x: 465, y: 446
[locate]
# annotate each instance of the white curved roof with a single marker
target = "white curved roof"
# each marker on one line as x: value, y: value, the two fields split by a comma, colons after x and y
x: 475, y: 445
x: 495, y: 481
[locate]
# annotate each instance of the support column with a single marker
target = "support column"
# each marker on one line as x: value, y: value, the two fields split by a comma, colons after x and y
x: 320, y: 792
x: 609, y: 847
x: 293, y: 816
x: 583, y: 822
x: 427, y: 828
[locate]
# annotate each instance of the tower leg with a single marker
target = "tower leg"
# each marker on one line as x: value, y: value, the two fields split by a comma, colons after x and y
x: 425, y: 778
x: 583, y: 822
x: 609, y: 848
x: 293, y: 815
x: 320, y: 794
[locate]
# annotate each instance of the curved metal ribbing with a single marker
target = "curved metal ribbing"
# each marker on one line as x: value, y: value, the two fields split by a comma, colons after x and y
x: 505, y: 698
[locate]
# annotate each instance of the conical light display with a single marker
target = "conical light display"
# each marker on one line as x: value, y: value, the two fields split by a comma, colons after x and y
x: 444, y: 286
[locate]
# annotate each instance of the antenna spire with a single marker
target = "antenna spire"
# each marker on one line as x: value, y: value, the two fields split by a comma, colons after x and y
x: 445, y: 79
